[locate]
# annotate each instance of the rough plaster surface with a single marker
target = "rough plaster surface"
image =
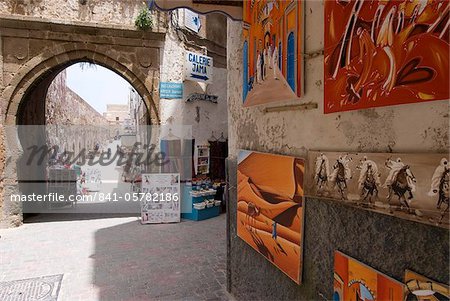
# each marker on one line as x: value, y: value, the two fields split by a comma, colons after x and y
x: 97, y: 11
x: 386, y: 243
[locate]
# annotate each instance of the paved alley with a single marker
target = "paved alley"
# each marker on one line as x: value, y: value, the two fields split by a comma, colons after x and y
x: 118, y: 258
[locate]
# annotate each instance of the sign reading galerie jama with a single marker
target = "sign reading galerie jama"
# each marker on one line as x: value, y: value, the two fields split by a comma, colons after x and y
x: 198, y: 67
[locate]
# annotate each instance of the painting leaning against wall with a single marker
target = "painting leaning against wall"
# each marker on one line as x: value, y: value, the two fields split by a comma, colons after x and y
x: 273, y: 51
x: 381, y: 53
x: 270, y: 208
x: 409, y: 186
x: 355, y: 281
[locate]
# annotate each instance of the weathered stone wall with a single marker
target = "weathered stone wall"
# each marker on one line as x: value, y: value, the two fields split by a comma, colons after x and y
x: 109, y: 12
x: 388, y: 244
x: 72, y: 123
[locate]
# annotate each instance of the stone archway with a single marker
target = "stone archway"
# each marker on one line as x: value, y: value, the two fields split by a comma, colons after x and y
x: 55, y: 60
x: 35, y: 73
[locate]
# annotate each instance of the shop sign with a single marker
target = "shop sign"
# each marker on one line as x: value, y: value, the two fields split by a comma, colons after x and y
x: 202, y: 97
x: 192, y: 21
x: 171, y: 90
x: 198, y: 67
x: 160, y: 198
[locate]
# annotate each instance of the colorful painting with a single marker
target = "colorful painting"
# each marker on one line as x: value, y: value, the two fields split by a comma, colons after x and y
x: 355, y: 281
x: 410, y: 186
x: 270, y: 208
x: 381, y: 53
x: 420, y: 288
x: 273, y: 51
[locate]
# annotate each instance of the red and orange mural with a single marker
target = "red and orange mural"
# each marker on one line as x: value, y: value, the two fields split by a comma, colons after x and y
x: 270, y: 208
x: 273, y: 46
x: 381, y: 53
x: 354, y: 281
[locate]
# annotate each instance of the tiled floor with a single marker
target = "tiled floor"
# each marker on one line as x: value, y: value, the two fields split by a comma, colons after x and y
x: 118, y: 258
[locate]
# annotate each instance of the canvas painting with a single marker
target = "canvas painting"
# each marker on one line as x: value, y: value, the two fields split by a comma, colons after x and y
x: 273, y: 51
x: 420, y: 288
x: 381, y: 53
x: 270, y: 208
x: 409, y: 186
x: 355, y: 281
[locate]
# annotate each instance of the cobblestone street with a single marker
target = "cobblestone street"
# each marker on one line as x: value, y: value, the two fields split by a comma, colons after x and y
x: 119, y: 259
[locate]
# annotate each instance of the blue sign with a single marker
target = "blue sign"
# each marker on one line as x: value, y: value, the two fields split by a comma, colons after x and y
x: 198, y: 67
x: 170, y: 90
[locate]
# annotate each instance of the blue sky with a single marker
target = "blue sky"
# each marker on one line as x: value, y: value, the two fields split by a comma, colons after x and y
x: 98, y: 86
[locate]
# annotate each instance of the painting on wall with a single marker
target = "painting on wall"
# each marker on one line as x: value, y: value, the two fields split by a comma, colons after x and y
x: 381, y: 53
x: 420, y: 288
x: 272, y: 51
x: 270, y: 208
x: 409, y: 186
x: 355, y: 281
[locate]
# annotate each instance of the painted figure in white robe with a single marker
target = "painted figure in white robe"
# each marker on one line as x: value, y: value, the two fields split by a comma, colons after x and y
x: 275, y: 62
x: 437, y: 176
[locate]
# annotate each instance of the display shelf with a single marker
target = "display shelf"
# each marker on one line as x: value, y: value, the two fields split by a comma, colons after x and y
x: 191, y: 197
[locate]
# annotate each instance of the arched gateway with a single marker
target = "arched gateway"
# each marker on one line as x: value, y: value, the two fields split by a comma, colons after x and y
x: 32, y: 53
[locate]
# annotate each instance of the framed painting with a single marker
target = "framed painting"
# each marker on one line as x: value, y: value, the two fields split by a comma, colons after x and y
x: 355, y: 281
x: 272, y: 51
x: 270, y: 208
x: 381, y: 53
x: 420, y: 288
x: 409, y: 186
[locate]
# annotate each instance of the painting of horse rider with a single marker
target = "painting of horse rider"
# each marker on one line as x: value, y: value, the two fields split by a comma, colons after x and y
x: 410, y: 186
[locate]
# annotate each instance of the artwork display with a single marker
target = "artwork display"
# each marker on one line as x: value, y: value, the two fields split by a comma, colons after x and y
x: 410, y: 186
x: 160, y: 198
x: 381, y: 53
x: 270, y: 208
x: 273, y: 51
x: 420, y: 288
x: 355, y: 281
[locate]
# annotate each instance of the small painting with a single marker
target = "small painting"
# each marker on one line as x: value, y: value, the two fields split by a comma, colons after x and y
x: 420, y: 288
x: 410, y: 186
x: 382, y: 53
x: 355, y: 281
x: 270, y: 208
x: 273, y: 51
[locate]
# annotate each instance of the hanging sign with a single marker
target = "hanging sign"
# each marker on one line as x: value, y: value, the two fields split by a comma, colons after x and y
x: 198, y: 67
x: 170, y: 90
x: 204, y: 97
x: 160, y: 198
x: 192, y: 21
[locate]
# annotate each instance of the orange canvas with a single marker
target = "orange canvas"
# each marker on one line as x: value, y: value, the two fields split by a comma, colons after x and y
x: 355, y: 281
x: 270, y: 208
x: 273, y: 47
x: 381, y: 53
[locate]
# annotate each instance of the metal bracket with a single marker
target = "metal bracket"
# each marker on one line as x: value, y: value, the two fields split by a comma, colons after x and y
x: 299, y: 107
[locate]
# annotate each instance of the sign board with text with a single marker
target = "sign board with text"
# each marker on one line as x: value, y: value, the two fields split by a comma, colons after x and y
x: 192, y: 20
x: 160, y: 201
x: 170, y: 90
x: 198, y: 67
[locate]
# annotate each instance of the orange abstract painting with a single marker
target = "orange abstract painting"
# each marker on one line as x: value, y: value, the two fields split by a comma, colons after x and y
x: 381, y: 53
x: 270, y: 208
x: 273, y: 51
x: 354, y: 281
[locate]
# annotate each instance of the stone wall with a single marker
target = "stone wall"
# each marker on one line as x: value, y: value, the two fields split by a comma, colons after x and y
x: 387, y: 244
x: 67, y: 115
